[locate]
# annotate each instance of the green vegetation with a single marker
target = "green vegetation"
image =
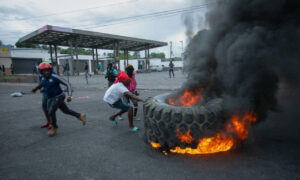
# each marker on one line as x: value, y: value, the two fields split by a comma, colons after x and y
x: 158, y: 55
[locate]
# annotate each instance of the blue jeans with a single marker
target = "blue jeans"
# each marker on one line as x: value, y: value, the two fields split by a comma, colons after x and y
x: 120, y: 105
x: 44, y: 102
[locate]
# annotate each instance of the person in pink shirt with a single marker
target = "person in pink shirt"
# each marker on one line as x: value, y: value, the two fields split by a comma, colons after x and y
x: 132, y: 88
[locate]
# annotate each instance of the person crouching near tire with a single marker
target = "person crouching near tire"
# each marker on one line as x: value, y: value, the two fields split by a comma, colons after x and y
x: 113, y: 97
x: 56, y: 97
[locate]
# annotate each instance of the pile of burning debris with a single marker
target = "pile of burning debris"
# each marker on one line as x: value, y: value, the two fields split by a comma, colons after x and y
x: 234, y: 70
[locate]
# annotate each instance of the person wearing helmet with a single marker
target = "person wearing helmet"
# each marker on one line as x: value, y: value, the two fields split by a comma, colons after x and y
x: 55, y: 96
x: 113, y: 97
x: 45, y: 99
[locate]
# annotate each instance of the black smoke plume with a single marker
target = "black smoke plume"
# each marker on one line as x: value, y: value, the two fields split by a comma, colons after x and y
x: 250, y: 47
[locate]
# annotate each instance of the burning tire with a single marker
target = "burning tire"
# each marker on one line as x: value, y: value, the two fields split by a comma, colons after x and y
x: 163, y: 122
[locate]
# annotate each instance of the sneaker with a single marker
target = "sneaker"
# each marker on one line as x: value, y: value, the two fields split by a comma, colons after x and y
x: 113, y: 121
x: 134, y: 129
x: 52, y: 131
x: 119, y: 118
x: 136, y: 118
x: 82, y: 118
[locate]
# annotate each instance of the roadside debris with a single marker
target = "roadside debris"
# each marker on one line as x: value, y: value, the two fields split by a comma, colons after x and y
x: 16, y: 94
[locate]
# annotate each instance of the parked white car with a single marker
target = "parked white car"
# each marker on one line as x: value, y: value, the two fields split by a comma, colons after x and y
x: 156, y: 68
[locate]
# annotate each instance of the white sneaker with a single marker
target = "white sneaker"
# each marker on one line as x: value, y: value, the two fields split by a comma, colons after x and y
x: 119, y: 118
x: 136, y: 118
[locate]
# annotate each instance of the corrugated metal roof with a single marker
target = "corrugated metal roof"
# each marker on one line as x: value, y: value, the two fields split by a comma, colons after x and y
x: 60, y: 36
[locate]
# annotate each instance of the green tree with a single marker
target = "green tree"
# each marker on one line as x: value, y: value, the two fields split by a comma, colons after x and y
x: 111, y: 55
x: 81, y: 51
x: 25, y: 45
x: 65, y: 51
x: 45, y: 47
x: 158, y: 55
x: 136, y: 54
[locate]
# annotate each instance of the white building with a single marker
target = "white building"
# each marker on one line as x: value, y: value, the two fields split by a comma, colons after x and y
x: 23, y: 61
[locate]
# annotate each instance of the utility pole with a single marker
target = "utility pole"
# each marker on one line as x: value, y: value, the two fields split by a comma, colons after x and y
x: 181, y: 49
x: 181, y: 46
x: 171, y: 49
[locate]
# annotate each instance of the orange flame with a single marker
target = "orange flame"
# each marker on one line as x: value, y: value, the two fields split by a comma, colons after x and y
x: 155, y: 145
x: 215, y: 144
x: 184, y: 137
x: 236, y: 129
x: 189, y: 98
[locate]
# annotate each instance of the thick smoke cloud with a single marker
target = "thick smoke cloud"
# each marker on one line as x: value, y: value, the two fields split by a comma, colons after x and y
x: 251, y: 47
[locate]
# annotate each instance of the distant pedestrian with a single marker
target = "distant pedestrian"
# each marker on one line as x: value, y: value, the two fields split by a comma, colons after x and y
x: 171, y: 68
x: 86, y: 70
x: 55, y: 96
x: 113, y: 97
x: 110, y: 74
x: 132, y: 88
x: 100, y: 67
x: 12, y: 69
x: 66, y: 69
x: 34, y: 69
x: 3, y: 69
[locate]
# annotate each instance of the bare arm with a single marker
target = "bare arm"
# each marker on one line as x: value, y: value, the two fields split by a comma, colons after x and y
x: 134, y: 96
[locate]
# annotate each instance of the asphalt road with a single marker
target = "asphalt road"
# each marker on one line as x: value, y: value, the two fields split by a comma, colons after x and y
x: 101, y: 150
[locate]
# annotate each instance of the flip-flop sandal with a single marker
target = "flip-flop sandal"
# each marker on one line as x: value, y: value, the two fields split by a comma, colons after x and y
x: 113, y: 121
x: 134, y: 129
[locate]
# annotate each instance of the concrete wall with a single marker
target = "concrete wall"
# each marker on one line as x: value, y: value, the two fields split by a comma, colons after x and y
x: 153, y: 62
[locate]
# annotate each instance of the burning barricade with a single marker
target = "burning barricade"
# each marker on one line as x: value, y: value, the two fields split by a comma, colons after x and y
x: 187, y: 125
x: 234, y: 70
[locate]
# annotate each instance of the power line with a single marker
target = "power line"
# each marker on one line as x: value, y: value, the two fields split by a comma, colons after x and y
x: 70, y: 12
x: 142, y: 16
x: 154, y: 15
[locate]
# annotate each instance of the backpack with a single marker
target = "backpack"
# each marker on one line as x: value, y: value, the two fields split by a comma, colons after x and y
x: 110, y: 75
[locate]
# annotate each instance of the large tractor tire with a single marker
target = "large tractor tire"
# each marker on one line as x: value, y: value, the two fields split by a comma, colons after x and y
x: 163, y: 121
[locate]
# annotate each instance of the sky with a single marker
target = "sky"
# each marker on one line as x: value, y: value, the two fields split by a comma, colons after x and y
x: 20, y: 17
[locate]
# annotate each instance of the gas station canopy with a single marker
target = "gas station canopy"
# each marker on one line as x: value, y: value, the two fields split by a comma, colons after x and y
x: 60, y: 36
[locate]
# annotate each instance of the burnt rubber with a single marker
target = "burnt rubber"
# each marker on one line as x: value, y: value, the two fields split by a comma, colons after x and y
x: 161, y: 121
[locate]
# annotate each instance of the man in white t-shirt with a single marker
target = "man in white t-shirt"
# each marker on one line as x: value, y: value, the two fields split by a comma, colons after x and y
x: 113, y: 97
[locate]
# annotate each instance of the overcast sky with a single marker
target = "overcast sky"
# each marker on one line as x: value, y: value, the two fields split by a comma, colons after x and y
x: 20, y: 17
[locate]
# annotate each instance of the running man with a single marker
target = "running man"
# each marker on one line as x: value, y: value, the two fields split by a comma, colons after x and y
x: 113, y: 97
x: 44, y: 99
x: 55, y: 96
